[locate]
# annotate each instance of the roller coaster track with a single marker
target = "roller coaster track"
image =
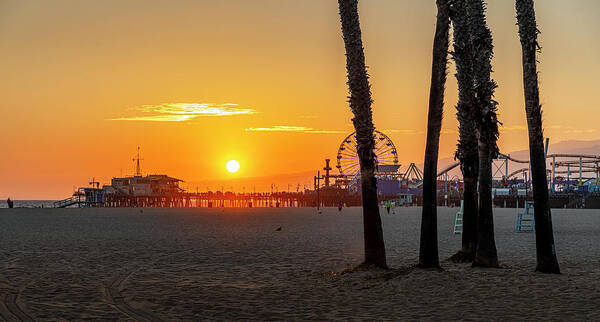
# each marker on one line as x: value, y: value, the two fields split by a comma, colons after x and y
x: 450, y: 167
x: 584, y: 156
x: 113, y: 291
x: 508, y: 157
x: 557, y: 155
x: 456, y: 164
x: 512, y: 174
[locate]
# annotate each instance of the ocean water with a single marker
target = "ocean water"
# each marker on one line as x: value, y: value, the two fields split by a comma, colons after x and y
x: 29, y: 203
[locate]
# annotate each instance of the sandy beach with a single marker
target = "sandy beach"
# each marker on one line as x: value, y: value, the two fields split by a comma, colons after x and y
x: 224, y: 264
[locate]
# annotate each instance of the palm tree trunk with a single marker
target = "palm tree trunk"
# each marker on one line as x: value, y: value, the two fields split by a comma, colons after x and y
x: 428, y: 252
x: 486, y: 254
x: 544, y: 236
x: 360, y: 103
x: 487, y: 126
x: 470, y: 170
x: 466, y: 113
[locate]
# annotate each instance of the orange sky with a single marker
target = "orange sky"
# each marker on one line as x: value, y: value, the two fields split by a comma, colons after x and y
x: 84, y: 83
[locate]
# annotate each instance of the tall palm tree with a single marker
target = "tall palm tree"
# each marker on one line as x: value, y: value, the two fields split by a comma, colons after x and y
x: 544, y: 237
x: 481, y: 38
x: 428, y: 252
x: 360, y: 103
x: 466, y: 152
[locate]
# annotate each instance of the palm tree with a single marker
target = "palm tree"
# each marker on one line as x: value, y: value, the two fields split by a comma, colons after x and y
x: 544, y: 237
x: 360, y: 103
x: 466, y: 152
x: 428, y: 252
x: 481, y: 38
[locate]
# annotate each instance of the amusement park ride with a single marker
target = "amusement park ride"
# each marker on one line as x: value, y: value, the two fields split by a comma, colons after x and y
x: 567, y: 173
x: 347, y: 156
x: 387, y: 166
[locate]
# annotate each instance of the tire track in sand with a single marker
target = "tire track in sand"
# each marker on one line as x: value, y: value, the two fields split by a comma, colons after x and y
x: 13, y: 308
x: 113, y: 290
x: 10, y: 309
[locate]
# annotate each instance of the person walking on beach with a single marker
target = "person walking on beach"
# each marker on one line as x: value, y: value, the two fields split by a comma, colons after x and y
x: 10, y: 203
x: 340, y: 205
x: 388, y: 205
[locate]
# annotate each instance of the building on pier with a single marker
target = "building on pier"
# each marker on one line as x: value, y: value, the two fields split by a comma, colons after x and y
x: 139, y: 186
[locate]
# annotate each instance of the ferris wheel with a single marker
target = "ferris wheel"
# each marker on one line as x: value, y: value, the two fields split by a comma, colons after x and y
x: 347, y: 157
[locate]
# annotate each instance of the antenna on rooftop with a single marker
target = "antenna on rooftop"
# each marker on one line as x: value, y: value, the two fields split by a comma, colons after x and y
x: 138, y: 170
x: 95, y: 183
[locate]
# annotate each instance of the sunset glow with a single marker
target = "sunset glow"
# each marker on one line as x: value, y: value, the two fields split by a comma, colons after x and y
x: 285, y: 128
x: 259, y: 83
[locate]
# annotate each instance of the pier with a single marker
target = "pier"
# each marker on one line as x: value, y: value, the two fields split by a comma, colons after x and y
x: 218, y: 199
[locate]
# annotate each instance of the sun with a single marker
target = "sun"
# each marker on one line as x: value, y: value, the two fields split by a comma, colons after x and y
x: 232, y: 166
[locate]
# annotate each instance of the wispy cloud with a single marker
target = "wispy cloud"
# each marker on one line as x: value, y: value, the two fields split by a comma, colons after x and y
x: 579, y: 131
x: 287, y: 128
x: 402, y: 131
x: 156, y: 118
x: 180, y: 112
x: 513, y: 128
x: 325, y: 131
x: 415, y: 132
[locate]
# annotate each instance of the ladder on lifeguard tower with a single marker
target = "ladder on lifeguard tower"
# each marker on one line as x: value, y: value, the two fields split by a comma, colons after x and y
x: 68, y: 202
x: 458, y: 219
x: 526, y: 219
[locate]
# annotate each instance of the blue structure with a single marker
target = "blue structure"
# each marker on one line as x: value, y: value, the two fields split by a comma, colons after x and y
x: 385, y: 187
x: 458, y: 219
x: 388, y: 187
x: 526, y: 219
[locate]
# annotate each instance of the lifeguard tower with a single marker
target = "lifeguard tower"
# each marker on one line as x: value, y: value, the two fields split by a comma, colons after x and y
x: 458, y: 219
x: 526, y: 219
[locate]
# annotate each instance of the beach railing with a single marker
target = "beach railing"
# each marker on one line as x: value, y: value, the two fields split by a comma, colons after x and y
x: 67, y: 202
